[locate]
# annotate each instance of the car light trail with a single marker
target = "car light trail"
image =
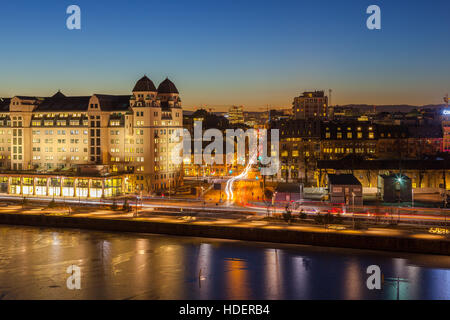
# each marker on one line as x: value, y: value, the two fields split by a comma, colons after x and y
x: 229, y: 186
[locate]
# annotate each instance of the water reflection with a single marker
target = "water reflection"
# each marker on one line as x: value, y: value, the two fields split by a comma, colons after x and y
x: 272, y: 274
x: 205, y: 271
x: 33, y: 263
x: 354, y: 280
x: 236, y: 279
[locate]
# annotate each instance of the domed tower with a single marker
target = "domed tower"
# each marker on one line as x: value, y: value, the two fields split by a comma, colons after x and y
x: 144, y: 93
x: 168, y: 94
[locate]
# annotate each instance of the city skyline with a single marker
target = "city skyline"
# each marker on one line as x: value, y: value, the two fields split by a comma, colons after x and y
x: 241, y: 54
x: 225, y: 157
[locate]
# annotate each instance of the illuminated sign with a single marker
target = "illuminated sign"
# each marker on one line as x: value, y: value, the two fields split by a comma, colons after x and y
x: 446, y: 112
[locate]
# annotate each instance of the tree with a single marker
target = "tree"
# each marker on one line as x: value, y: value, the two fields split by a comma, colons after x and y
x: 324, y: 218
x: 52, y: 204
x: 114, y: 205
x: 268, y: 199
x: 302, y: 215
x: 287, y: 215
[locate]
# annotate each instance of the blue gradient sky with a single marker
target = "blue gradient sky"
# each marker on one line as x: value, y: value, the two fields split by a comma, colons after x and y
x: 230, y: 52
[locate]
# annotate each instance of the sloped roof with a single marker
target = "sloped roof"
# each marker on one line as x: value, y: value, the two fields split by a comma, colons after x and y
x: 4, y: 104
x: 144, y: 84
x: 288, y: 188
x: 395, y: 176
x: 27, y: 97
x: 428, y: 131
x: 343, y: 179
x: 58, y: 95
x: 389, y: 164
x: 113, y: 102
x: 167, y: 86
x: 59, y: 103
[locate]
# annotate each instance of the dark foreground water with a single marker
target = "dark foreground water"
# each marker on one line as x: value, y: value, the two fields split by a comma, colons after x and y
x: 33, y: 264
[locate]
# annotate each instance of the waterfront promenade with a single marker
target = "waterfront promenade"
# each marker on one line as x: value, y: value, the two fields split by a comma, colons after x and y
x: 250, y: 228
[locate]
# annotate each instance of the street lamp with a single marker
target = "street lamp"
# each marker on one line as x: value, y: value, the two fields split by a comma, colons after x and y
x: 136, y: 206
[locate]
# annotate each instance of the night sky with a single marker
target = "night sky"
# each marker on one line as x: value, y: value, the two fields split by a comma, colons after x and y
x: 230, y: 52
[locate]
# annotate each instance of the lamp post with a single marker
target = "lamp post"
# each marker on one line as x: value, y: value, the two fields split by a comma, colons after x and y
x: 136, y: 206
x: 203, y: 196
x: 353, y: 201
x: 400, y: 182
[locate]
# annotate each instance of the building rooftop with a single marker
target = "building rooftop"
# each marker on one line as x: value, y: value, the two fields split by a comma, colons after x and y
x: 144, y: 84
x: 288, y: 188
x: 429, y: 131
x: 395, y: 176
x: 59, y: 103
x: 355, y: 163
x: 4, y: 104
x: 167, y: 86
x: 113, y: 102
x: 343, y: 179
x: 313, y: 94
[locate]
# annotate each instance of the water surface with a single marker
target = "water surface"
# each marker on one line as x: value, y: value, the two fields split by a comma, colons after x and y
x: 33, y: 264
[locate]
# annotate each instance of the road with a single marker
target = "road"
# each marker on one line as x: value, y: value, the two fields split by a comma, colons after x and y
x: 403, y: 215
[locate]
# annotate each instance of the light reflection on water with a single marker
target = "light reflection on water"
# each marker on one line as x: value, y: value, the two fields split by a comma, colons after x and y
x: 33, y: 263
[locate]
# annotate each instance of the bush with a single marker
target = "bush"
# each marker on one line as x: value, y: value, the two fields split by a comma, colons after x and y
x: 114, y: 205
x: 318, y: 219
x: 52, y: 204
x: 358, y: 225
x: 327, y: 218
x: 287, y: 215
x: 268, y: 194
x: 302, y: 215
x: 126, y: 207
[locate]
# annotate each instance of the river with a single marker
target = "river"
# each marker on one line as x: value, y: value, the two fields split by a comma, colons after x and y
x: 34, y: 261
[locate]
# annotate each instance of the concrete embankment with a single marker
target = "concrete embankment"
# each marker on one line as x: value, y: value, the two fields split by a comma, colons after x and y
x: 331, y: 238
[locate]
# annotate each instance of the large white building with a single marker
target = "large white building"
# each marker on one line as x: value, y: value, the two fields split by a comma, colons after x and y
x: 123, y: 138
